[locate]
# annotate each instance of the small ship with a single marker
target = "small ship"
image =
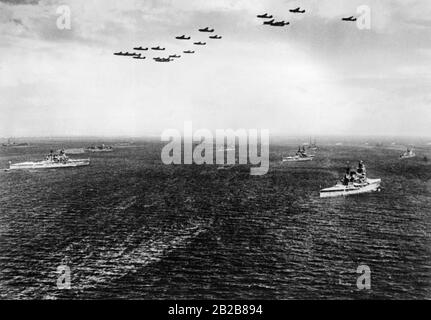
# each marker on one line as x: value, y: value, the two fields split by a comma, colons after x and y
x: 408, y: 154
x: 101, y: 148
x: 14, y: 144
x: 300, y: 155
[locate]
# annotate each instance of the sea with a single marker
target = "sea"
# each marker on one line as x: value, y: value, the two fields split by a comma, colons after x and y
x: 130, y: 227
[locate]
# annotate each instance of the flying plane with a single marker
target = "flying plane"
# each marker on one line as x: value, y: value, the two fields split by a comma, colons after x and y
x: 174, y: 56
x: 215, y: 37
x: 188, y: 51
x: 127, y: 54
x: 351, y: 18
x: 157, y: 48
x: 297, y: 10
x: 183, y: 37
x: 158, y: 59
x: 268, y: 22
x: 140, y: 48
x: 279, y: 23
x: 206, y: 30
x: 200, y: 43
x: 264, y: 16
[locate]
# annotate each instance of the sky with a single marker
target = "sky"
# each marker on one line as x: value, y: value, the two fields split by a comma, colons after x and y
x: 317, y: 76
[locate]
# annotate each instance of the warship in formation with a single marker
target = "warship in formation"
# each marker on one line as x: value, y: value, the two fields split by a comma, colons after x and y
x: 408, y: 154
x: 52, y: 161
x: 353, y: 182
x: 313, y: 146
x: 300, y: 155
x: 14, y: 144
x: 101, y: 148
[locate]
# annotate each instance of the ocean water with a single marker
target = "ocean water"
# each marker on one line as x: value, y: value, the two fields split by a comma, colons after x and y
x: 130, y: 227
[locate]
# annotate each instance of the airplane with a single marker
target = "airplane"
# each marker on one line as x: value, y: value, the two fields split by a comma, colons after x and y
x: 279, y: 23
x: 188, y: 51
x: 264, y: 16
x: 206, y: 30
x: 351, y: 18
x: 158, y: 59
x: 174, y: 56
x: 200, y: 43
x: 268, y: 22
x: 157, y: 48
x: 297, y: 10
x: 140, y: 48
x: 215, y: 37
x: 183, y: 37
x: 127, y: 54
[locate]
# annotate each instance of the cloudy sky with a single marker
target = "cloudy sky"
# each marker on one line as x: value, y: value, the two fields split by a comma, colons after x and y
x: 318, y: 75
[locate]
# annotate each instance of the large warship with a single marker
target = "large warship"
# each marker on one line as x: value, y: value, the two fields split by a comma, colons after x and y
x: 353, y: 182
x: 51, y: 161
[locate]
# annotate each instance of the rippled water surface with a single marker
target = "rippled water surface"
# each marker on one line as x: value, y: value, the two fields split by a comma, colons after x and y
x: 131, y: 227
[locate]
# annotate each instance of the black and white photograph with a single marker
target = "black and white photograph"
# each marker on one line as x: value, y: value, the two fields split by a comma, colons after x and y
x: 215, y: 150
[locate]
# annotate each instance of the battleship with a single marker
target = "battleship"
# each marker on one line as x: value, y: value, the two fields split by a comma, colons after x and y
x: 300, y: 155
x: 52, y: 161
x: 354, y: 182
x: 408, y: 154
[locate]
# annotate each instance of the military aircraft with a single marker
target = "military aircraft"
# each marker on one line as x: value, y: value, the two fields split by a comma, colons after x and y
x: 297, y: 10
x: 183, y: 37
x: 200, y: 43
x: 127, y: 54
x: 174, y: 56
x: 140, y: 48
x: 215, y: 37
x: 158, y: 59
x: 264, y: 16
x: 279, y: 23
x: 188, y: 51
x: 351, y: 18
x: 268, y: 22
x: 206, y: 30
x: 157, y: 48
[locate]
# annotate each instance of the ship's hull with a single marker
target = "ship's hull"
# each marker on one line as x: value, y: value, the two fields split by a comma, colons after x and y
x: 15, y: 145
x: 296, y: 159
x: 407, y: 156
x: 100, y: 150
x: 342, y: 190
x: 49, y: 164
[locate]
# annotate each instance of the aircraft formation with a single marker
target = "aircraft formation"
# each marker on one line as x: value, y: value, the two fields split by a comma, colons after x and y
x: 282, y: 23
x: 171, y: 57
x: 268, y: 19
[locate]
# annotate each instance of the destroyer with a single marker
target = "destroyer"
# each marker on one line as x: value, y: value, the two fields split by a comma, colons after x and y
x: 51, y: 161
x: 354, y: 182
x: 101, y: 148
x: 300, y: 155
x: 14, y: 144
